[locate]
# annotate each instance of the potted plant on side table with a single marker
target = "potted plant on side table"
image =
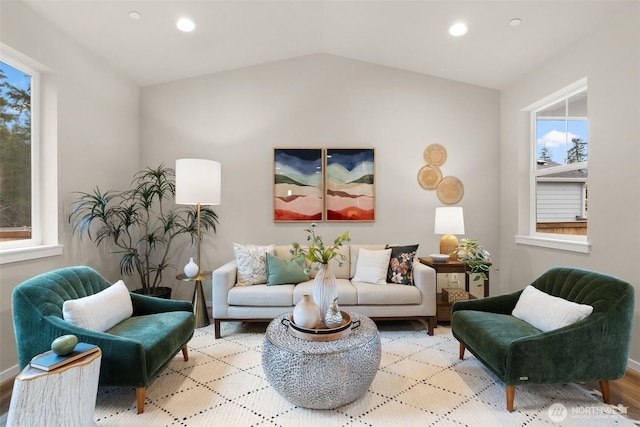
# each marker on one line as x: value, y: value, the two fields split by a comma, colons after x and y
x: 477, y: 258
x: 140, y: 224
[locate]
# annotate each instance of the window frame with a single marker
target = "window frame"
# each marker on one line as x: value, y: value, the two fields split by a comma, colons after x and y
x: 44, y: 230
x: 566, y: 242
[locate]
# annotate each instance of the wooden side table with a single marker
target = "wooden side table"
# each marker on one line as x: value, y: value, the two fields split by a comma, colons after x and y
x: 62, y: 397
x: 199, y: 305
x: 455, y: 267
x: 443, y: 306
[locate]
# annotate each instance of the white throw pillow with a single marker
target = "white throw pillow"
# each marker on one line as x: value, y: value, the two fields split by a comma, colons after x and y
x: 100, y: 311
x: 547, y: 312
x: 252, y: 263
x: 372, y: 266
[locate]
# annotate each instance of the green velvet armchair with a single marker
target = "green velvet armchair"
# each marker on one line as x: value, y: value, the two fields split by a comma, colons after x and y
x: 134, y: 351
x: 595, y: 348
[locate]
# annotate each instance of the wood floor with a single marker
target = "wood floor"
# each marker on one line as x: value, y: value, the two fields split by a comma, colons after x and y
x: 625, y: 392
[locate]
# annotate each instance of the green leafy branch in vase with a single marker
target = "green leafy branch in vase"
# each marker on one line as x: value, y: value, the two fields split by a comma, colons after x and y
x: 316, y: 252
x: 476, y: 257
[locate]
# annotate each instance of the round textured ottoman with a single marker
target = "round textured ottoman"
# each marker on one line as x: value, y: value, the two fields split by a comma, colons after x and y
x: 321, y: 374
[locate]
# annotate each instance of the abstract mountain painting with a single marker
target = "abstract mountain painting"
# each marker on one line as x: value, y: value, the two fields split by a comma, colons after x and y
x: 298, y: 191
x: 350, y: 190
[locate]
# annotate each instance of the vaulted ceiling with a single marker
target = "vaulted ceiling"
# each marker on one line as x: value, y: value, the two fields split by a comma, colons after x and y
x: 410, y: 35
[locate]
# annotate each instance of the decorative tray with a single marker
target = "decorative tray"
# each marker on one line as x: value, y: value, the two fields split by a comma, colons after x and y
x: 322, y: 334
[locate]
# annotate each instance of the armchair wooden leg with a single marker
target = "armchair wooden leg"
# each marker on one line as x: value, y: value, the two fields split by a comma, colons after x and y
x: 606, y: 393
x: 461, y: 351
x: 140, y: 392
x: 185, y: 353
x: 511, y: 394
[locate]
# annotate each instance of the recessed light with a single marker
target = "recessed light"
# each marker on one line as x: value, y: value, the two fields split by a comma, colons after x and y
x: 458, y: 29
x: 185, y: 24
x: 135, y: 15
x: 515, y: 22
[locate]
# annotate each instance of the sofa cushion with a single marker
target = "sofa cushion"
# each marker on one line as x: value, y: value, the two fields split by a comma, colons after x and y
x: 344, y: 271
x: 347, y: 294
x: 100, y: 311
x: 547, y: 312
x: 283, y: 251
x: 281, y: 271
x: 388, y: 294
x: 160, y: 334
x: 261, y: 295
x: 372, y: 266
x: 400, y: 269
x: 252, y: 263
x: 490, y: 334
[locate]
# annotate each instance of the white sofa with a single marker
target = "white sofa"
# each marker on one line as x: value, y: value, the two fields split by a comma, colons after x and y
x: 262, y: 303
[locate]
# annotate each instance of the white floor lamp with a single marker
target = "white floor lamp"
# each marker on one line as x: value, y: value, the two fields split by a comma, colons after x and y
x: 198, y: 182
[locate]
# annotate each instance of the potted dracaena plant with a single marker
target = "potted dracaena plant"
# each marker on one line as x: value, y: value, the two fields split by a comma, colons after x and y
x: 140, y: 224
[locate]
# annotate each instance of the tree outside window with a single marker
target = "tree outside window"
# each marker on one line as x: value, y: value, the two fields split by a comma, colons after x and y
x: 15, y: 153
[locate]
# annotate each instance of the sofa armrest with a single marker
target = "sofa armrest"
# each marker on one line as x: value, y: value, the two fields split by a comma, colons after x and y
x: 224, y: 278
x: 144, y: 304
x: 424, y: 278
x: 501, y: 304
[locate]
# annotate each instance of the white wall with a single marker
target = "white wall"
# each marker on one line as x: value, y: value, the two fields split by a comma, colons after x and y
x: 610, y: 59
x: 238, y: 117
x: 97, y: 144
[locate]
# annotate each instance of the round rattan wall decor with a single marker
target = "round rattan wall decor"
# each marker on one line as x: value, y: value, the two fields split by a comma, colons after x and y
x: 429, y: 177
x: 450, y: 190
x: 435, y: 155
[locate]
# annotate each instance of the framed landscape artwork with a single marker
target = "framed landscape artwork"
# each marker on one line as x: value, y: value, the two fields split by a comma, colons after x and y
x: 298, y: 190
x: 350, y: 185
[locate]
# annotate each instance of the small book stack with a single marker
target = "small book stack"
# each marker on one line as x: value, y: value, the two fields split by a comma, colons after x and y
x: 49, y: 361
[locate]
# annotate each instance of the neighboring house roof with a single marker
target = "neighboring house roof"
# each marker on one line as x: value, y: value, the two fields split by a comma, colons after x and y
x: 581, y: 174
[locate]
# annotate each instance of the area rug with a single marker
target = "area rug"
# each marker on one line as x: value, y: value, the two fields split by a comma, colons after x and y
x: 421, y: 382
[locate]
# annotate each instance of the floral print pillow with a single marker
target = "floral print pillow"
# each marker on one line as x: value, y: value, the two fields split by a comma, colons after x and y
x: 401, y: 264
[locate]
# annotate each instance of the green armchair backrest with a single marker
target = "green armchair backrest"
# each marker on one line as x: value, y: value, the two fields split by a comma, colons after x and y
x: 43, y: 296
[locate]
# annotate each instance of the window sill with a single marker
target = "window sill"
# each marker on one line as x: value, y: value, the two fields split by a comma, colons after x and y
x: 8, y: 256
x: 583, y: 247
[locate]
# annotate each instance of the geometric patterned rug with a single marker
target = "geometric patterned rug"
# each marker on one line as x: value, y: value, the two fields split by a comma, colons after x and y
x: 420, y: 382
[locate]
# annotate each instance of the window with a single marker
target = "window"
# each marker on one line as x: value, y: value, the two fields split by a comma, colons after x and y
x: 559, y: 171
x: 16, y: 141
x: 28, y: 159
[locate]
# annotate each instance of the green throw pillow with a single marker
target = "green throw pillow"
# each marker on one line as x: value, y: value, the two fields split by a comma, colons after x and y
x: 401, y: 264
x: 281, y: 271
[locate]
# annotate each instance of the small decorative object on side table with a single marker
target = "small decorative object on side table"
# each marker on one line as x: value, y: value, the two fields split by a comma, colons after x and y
x: 199, y: 306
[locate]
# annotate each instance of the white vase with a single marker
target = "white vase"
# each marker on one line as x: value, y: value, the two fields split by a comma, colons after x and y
x: 306, y: 313
x: 191, y: 269
x: 325, y: 288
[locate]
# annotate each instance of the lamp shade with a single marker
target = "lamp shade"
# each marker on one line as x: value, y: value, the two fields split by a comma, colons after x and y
x: 198, y: 181
x: 449, y: 220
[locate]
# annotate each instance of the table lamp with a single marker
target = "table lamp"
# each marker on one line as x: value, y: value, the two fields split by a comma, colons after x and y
x: 198, y: 183
x: 449, y: 221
